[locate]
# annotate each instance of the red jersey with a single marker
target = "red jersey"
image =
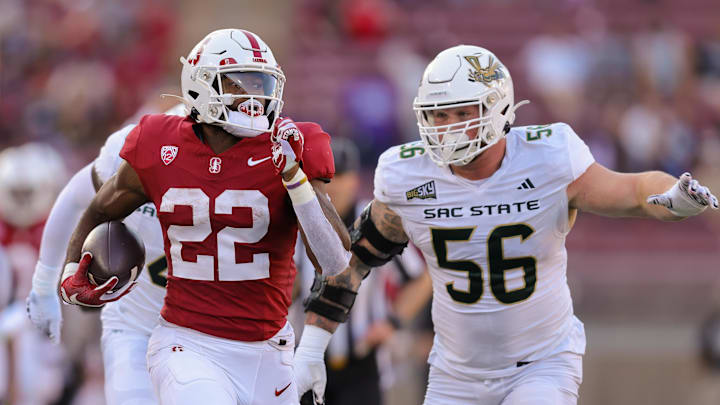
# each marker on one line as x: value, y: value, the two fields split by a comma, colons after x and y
x: 31, y: 235
x: 22, y: 246
x: 228, y: 224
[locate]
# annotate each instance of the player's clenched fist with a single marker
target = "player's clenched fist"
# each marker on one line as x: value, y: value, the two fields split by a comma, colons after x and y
x: 287, y: 144
x: 686, y: 198
x: 76, y: 288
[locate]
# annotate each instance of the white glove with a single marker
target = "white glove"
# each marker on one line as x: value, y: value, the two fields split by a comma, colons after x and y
x: 43, y: 303
x: 310, y: 362
x: 44, y: 312
x: 686, y: 198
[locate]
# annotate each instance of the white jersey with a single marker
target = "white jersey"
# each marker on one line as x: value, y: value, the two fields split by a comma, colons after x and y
x: 495, y: 249
x: 141, y: 307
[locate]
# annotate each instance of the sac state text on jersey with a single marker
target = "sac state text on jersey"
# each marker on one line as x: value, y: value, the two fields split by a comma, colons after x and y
x: 477, y: 210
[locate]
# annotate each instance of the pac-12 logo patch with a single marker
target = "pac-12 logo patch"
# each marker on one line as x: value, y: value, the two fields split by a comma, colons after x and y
x: 215, y: 165
x: 422, y: 192
x: 168, y: 154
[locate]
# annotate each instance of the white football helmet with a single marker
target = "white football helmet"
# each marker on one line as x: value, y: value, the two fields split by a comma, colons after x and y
x: 31, y: 177
x: 247, y: 61
x: 460, y: 76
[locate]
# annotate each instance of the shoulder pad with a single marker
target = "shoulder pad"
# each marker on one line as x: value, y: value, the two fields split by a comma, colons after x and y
x: 318, y: 160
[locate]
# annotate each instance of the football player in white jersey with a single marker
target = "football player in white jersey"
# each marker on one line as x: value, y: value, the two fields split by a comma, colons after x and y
x: 490, y: 206
x: 126, y: 323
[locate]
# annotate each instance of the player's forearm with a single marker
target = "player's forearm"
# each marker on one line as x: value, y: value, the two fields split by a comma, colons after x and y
x: 350, y: 279
x: 113, y: 201
x: 649, y: 183
x: 311, y: 318
x: 335, y: 221
x: 327, y: 208
x: 63, y: 218
x: 325, y: 245
x: 91, y: 218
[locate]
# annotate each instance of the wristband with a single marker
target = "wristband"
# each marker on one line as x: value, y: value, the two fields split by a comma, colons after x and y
x: 299, y: 188
x: 44, y: 281
x: 314, y: 341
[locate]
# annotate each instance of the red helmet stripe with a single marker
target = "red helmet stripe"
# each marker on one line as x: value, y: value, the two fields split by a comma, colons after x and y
x: 253, y: 43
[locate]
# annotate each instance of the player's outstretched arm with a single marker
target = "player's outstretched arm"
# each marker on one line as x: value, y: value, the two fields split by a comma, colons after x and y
x: 43, y: 305
x: 652, y: 194
x: 116, y: 199
x: 333, y: 296
x: 322, y: 229
x: 389, y: 225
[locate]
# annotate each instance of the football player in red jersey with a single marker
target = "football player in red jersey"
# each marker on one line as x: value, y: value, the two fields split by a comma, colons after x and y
x: 230, y: 183
x: 31, y: 175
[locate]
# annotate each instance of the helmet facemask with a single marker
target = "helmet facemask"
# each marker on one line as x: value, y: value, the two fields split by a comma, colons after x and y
x: 243, y: 100
x: 231, y: 79
x: 457, y: 143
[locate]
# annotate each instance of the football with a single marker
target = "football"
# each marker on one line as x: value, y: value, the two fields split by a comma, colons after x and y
x: 117, y: 251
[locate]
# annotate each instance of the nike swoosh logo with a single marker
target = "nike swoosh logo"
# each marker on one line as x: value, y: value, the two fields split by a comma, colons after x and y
x: 252, y: 162
x: 278, y: 393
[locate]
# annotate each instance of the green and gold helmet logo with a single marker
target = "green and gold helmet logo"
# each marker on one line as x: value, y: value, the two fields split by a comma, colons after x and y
x: 481, y: 74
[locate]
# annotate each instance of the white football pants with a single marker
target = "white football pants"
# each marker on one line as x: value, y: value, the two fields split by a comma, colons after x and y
x: 127, y: 381
x: 188, y: 367
x: 551, y: 381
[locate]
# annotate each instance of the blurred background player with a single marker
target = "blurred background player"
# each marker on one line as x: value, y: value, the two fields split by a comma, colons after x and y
x: 359, y: 362
x: 127, y: 323
x: 31, y: 175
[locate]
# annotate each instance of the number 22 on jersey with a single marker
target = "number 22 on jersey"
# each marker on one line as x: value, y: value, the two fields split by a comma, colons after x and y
x: 227, y: 237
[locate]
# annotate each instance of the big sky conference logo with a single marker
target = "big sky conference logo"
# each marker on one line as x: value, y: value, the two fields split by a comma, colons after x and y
x: 423, y: 191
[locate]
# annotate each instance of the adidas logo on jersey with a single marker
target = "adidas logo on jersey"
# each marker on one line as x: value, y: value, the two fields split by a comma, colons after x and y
x: 422, y: 192
x: 527, y: 184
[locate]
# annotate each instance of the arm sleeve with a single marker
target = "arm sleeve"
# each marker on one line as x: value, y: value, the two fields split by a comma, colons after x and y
x: 580, y: 156
x: 108, y: 161
x: 64, y: 216
x: 318, y: 160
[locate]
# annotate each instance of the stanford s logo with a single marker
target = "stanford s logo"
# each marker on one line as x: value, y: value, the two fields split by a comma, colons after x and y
x: 168, y: 154
x: 481, y: 74
x: 215, y: 165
